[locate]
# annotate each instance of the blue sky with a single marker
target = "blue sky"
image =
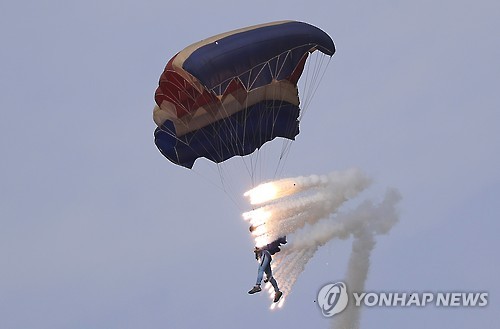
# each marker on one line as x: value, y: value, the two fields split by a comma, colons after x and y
x: 98, y: 230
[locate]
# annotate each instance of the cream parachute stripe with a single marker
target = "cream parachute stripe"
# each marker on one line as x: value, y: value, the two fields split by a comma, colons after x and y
x: 278, y: 91
x: 186, y: 52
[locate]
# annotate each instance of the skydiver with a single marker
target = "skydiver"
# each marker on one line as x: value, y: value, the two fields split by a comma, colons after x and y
x: 263, y: 255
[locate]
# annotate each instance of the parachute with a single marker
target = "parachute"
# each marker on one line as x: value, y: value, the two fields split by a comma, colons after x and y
x: 227, y: 95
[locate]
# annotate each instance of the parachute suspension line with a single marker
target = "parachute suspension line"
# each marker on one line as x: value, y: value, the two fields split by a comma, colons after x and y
x: 218, y: 148
x: 256, y: 160
x: 212, y: 114
x: 231, y: 128
x: 187, y: 142
x: 282, y: 160
x: 222, y: 188
x: 248, y: 164
x: 261, y: 158
x: 233, y: 147
x: 285, y: 146
x: 286, y: 143
x: 312, y: 74
x: 285, y: 150
x: 312, y: 81
x: 256, y: 164
x: 275, y: 107
x: 224, y: 167
x: 316, y: 77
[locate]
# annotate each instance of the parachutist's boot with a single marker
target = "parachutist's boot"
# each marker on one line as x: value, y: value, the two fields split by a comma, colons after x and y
x: 255, y: 289
x: 277, y: 296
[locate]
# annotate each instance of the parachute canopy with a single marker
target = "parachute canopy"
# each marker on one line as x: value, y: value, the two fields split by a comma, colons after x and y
x: 229, y: 94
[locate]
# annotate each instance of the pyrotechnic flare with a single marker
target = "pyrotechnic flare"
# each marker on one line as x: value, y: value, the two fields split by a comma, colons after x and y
x: 368, y: 217
x: 308, y: 208
x: 301, y: 200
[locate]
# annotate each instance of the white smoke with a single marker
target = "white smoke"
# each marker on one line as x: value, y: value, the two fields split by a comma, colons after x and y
x: 308, y: 211
x: 314, y: 197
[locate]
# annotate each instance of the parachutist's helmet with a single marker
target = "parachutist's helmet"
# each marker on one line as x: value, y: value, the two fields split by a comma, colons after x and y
x: 252, y: 228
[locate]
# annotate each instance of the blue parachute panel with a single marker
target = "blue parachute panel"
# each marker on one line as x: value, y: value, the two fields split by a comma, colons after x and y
x: 256, y: 55
x: 239, y: 134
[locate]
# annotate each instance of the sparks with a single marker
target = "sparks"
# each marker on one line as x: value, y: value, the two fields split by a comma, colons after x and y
x: 271, y: 191
x: 262, y: 193
x: 257, y: 217
x: 261, y: 241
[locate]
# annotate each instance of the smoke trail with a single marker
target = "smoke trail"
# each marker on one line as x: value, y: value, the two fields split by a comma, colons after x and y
x: 268, y: 192
x: 308, y: 209
x: 384, y: 218
x: 367, y: 217
x: 376, y: 218
x: 357, y: 273
x: 315, y: 197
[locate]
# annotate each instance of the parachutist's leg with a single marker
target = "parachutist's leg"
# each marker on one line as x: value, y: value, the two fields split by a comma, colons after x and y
x: 277, y: 292
x: 271, y: 279
x: 262, y: 267
x: 264, y: 263
x: 260, y: 274
x: 275, y: 284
